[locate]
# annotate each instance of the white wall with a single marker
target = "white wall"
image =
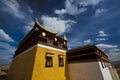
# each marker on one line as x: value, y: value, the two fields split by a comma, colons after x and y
x: 105, y: 72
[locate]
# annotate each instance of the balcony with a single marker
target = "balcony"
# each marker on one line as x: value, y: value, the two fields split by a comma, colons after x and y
x: 51, y: 42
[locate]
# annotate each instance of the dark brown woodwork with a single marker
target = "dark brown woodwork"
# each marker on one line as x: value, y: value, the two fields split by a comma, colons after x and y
x: 86, y: 53
x: 35, y: 36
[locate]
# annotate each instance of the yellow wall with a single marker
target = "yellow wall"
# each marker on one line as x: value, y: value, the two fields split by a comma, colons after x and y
x: 22, y: 66
x: 31, y: 66
x: 48, y: 73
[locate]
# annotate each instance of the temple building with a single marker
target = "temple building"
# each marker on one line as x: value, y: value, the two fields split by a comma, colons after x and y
x: 89, y: 63
x: 42, y: 55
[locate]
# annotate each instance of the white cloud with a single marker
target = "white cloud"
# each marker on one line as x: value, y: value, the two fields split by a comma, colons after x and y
x: 60, y: 12
x: 99, y: 11
x: 101, y: 39
x: 89, y: 2
x: 106, y: 46
x: 56, y: 24
x: 76, y: 7
x: 114, y: 50
x: 87, y: 41
x: 102, y: 34
x: 6, y: 52
x: 23, y: 13
x: 14, y: 8
x: 7, y: 47
x: 5, y: 37
x: 71, y: 9
x: 28, y: 26
x: 114, y: 55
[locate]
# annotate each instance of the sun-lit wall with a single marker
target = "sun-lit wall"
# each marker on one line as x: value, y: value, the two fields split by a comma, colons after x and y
x: 30, y: 65
x: 55, y: 72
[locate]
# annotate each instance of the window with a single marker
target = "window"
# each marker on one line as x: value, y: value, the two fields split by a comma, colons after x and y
x: 105, y: 64
x: 49, y: 60
x: 61, y: 61
x: 102, y: 63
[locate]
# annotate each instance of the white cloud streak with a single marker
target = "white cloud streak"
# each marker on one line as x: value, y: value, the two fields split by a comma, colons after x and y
x: 89, y: 2
x: 56, y: 24
x: 70, y: 8
x: 7, y: 47
x: 114, y: 55
x: 102, y: 34
x: 76, y: 7
x: 60, y: 12
x: 99, y: 11
x: 29, y: 26
x: 16, y: 9
x: 5, y: 37
x: 88, y: 41
x: 114, y: 51
x: 106, y: 46
x: 101, y: 39
x: 13, y: 7
x: 6, y: 52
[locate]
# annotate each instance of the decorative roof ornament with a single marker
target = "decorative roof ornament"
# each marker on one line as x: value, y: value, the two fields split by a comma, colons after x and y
x: 65, y: 38
x: 44, y: 27
x: 37, y: 21
x: 43, y: 34
x: 55, y: 39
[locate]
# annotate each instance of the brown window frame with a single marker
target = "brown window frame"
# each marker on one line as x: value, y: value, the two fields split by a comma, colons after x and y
x: 61, y: 60
x: 49, y: 60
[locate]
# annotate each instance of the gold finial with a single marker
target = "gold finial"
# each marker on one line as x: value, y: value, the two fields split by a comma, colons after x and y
x: 36, y: 20
x: 65, y: 38
x: 55, y: 39
x: 64, y: 43
x: 43, y: 34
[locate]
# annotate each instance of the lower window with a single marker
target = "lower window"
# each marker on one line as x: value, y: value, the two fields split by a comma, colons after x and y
x: 49, y: 60
x: 61, y: 61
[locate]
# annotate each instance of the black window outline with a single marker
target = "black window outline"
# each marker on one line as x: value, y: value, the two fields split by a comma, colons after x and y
x: 61, y: 60
x: 102, y: 64
x: 49, y: 60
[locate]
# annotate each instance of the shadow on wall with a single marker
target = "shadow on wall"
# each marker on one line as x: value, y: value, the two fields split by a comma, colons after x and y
x: 2, y: 77
x: 22, y: 65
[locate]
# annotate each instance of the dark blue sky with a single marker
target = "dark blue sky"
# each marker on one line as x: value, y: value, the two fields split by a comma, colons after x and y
x: 83, y: 21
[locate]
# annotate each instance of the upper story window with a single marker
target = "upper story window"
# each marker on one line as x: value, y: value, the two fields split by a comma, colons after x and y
x: 49, y: 60
x: 61, y: 60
